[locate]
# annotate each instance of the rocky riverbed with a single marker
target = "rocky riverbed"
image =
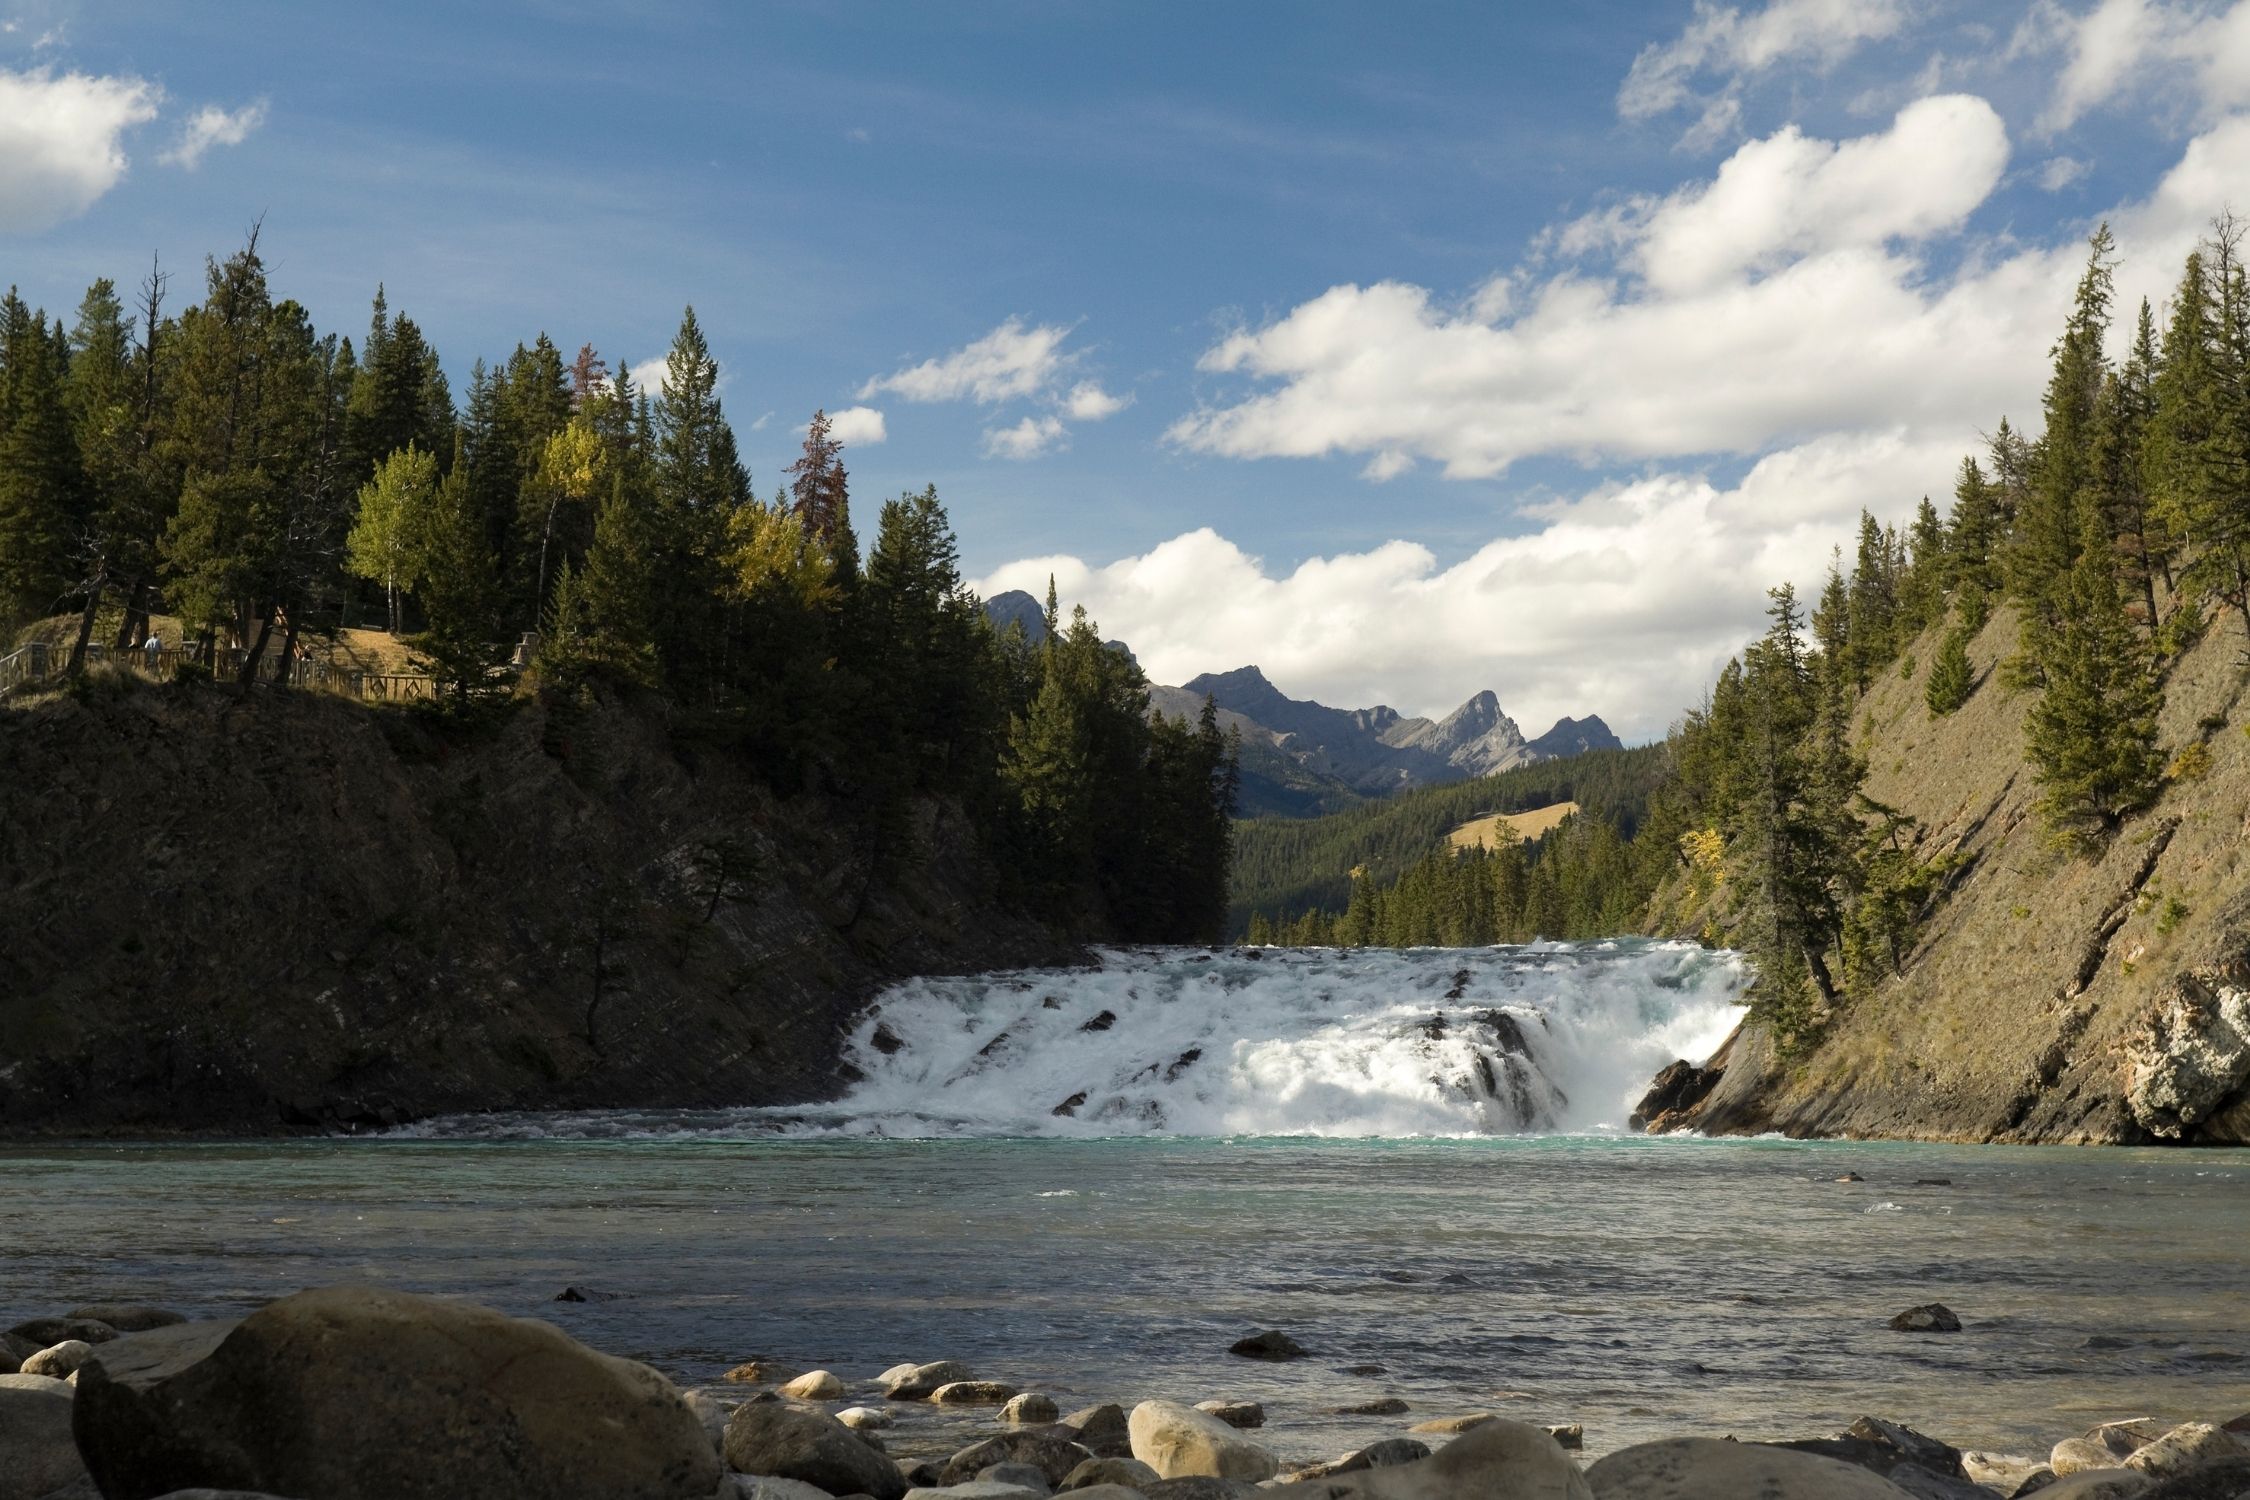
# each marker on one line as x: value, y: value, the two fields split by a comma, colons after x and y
x: 361, y: 1393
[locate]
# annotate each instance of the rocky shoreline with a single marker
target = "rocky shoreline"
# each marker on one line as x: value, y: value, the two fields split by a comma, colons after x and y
x: 361, y: 1393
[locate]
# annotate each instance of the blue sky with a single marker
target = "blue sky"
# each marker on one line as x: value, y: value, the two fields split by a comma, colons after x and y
x: 1404, y: 349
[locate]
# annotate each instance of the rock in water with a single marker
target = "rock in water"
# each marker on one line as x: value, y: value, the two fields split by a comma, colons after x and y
x: 45, y: 1333
x: 1242, y: 1415
x: 815, y: 1385
x: 789, y: 1442
x: 919, y: 1382
x: 973, y: 1393
x: 864, y: 1418
x: 760, y: 1372
x: 1500, y: 1458
x: 1268, y: 1343
x: 1030, y: 1409
x: 37, y: 1452
x: 1382, y: 1406
x: 1179, y: 1442
x: 1930, y: 1317
x: 59, y: 1362
x: 1710, y: 1469
x: 1052, y: 1454
x: 128, y: 1317
x: 1101, y: 1430
x: 358, y: 1393
x: 1382, y: 1455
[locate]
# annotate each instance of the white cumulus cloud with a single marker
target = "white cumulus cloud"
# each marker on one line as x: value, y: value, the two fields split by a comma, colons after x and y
x: 2115, y: 49
x: 856, y: 424
x: 1088, y: 402
x: 1723, y: 46
x: 62, y: 142
x: 212, y: 126
x: 1026, y: 439
x: 1011, y: 361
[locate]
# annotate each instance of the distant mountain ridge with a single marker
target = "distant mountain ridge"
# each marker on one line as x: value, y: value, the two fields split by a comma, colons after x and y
x: 1302, y: 759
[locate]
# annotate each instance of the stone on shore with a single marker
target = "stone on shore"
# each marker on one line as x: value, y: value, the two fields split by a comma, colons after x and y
x: 712, y: 1409
x: 1110, y: 1492
x: 1381, y: 1406
x: 814, y: 1385
x: 128, y: 1317
x: 1501, y: 1458
x: 1179, y: 1442
x: 1713, y: 1469
x: 761, y: 1372
x: 1031, y: 1409
x: 2098, y: 1484
x: 37, y: 1452
x: 1242, y: 1415
x: 1444, y: 1426
x: 789, y: 1442
x: 1129, y: 1472
x: 61, y: 1361
x: 1101, y: 1430
x: 973, y: 1393
x: 918, y: 1382
x: 2000, y: 1471
x: 978, y: 1489
x: 1200, y: 1487
x: 1386, y: 1454
x: 2228, y: 1479
x: 1269, y: 1343
x: 2128, y: 1437
x: 1930, y: 1317
x: 2186, y: 1447
x: 45, y: 1333
x: 1922, y: 1466
x: 2079, y: 1455
x: 360, y: 1393
x: 865, y: 1418
x: 1046, y: 1450
x: 770, y: 1487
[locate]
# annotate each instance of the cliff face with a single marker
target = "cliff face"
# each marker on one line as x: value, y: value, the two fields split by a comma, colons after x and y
x: 272, y: 915
x: 2049, y: 997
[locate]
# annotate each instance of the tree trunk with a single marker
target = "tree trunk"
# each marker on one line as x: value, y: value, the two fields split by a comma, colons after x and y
x: 86, y: 622
x: 288, y: 649
x: 250, y: 658
x: 131, y: 597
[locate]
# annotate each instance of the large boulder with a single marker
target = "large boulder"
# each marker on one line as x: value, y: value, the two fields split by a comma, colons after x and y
x: 1101, y: 1430
x: 974, y: 1393
x: 1713, y: 1469
x: 1129, y: 1472
x: 815, y: 1385
x: 1179, y: 1442
x: 1046, y: 1450
x: 360, y: 1393
x: 1268, y: 1344
x: 1922, y: 1466
x: 2229, y: 1479
x: 1385, y: 1454
x: 1500, y: 1458
x: 45, y: 1333
x: 2189, y: 1446
x: 2099, y: 1484
x: 37, y: 1452
x: 789, y: 1442
x: 1930, y: 1317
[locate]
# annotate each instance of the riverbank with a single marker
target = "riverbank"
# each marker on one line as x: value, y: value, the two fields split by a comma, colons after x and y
x: 349, y: 1392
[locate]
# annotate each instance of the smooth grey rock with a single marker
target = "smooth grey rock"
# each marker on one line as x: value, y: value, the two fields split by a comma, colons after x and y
x: 2080, y: 1455
x: 2000, y: 1471
x: 1930, y: 1317
x: 1129, y: 1472
x: 1043, y: 1448
x: 1242, y: 1415
x: 1111, y: 1492
x: 2187, y: 1446
x: 1101, y: 1430
x: 977, y: 1489
x: 1712, y: 1469
x: 1200, y: 1487
x: 1030, y: 1409
x: 2128, y: 1437
x: 47, y: 1383
x: 37, y: 1452
x: 973, y: 1393
x: 2228, y: 1479
x: 865, y: 1418
x: 1383, y: 1455
x: 1025, y: 1476
x: 128, y: 1317
x: 1502, y: 1458
x: 814, y: 1385
x: 918, y: 1382
x: 789, y: 1442
x: 1268, y: 1343
x: 61, y: 1361
x: 1180, y: 1442
x: 2099, y: 1484
x: 1455, y: 1426
x: 361, y: 1393
x: 770, y: 1487
x: 1381, y: 1406
x: 712, y: 1410
x: 45, y: 1333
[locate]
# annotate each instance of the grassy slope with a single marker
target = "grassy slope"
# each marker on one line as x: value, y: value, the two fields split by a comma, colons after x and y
x: 1480, y: 832
x: 2014, y: 1012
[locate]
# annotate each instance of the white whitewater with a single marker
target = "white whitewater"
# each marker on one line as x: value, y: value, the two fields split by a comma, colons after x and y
x: 1543, y: 1038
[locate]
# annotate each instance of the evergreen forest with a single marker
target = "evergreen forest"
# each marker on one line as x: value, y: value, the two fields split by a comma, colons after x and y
x: 266, y: 484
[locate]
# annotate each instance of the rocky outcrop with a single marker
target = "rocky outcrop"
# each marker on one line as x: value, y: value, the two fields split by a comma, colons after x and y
x: 302, y: 914
x: 359, y: 1393
x: 2190, y: 1059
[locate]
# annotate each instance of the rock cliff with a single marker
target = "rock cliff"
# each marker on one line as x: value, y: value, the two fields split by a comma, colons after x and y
x: 248, y: 916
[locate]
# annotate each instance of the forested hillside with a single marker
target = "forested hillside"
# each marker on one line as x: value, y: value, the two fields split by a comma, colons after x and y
x: 2086, y: 602
x: 1287, y: 868
x: 266, y: 482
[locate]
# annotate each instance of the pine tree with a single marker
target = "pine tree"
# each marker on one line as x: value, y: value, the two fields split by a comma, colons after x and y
x: 2121, y: 442
x: 820, y: 492
x: 1972, y: 533
x: 617, y: 595
x: 42, y: 483
x: 459, y: 647
x: 2046, y: 533
x: 2092, y: 734
x: 1873, y: 604
x: 1951, y: 675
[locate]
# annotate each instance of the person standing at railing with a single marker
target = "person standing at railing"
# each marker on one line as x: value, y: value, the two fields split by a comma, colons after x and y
x: 154, y: 646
